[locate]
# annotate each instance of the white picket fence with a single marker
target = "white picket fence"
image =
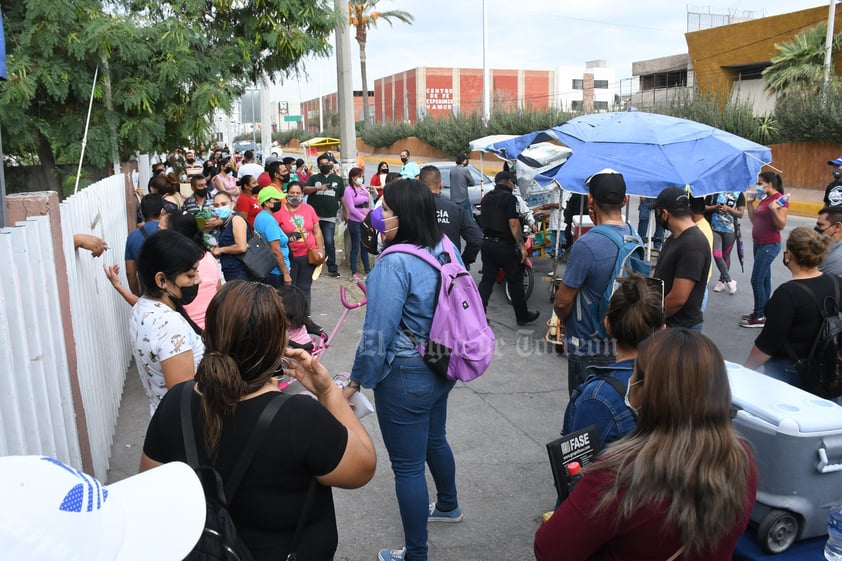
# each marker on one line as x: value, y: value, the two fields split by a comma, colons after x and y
x: 37, y: 411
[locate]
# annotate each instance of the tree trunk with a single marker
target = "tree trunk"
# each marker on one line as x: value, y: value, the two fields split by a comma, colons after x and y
x: 48, y: 164
x: 365, y: 84
x: 110, y: 116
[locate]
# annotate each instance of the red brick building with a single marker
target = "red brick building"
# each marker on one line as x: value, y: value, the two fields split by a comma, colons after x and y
x: 437, y: 92
x: 330, y: 106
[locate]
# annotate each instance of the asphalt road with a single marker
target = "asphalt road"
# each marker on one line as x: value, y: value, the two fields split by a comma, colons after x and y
x: 498, y: 425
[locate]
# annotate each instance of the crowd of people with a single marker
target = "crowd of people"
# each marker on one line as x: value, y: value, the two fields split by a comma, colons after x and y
x: 205, y: 333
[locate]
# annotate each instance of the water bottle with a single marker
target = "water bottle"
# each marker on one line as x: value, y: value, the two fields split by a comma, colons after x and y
x: 782, y: 200
x: 574, y: 475
x: 833, y: 547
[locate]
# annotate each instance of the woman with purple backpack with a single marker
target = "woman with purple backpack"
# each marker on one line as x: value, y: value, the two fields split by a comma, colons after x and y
x: 411, y: 399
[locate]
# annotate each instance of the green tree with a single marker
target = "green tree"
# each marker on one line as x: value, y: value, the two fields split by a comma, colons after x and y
x: 362, y: 16
x: 169, y: 65
x: 799, y: 64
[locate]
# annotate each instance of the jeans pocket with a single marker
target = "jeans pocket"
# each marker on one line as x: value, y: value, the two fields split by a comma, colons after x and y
x: 417, y: 381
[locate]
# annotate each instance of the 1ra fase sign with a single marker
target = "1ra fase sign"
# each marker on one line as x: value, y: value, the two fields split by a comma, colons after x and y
x: 439, y: 99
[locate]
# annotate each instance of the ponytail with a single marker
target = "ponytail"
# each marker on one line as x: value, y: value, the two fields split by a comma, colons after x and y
x: 218, y: 380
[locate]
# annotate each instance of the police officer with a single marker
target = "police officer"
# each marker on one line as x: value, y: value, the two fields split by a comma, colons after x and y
x: 502, y: 246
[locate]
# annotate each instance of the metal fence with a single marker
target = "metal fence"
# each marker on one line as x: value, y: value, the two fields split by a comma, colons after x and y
x: 38, y: 372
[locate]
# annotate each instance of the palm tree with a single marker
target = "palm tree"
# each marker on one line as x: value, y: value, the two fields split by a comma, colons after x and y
x: 799, y: 64
x: 362, y: 16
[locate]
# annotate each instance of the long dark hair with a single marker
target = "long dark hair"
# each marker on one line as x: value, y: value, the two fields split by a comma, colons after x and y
x: 185, y: 224
x: 244, y: 341
x: 774, y: 179
x: 412, y: 202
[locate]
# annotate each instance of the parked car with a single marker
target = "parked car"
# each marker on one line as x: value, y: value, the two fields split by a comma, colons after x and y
x: 277, y: 150
x: 482, y: 183
x: 242, y: 145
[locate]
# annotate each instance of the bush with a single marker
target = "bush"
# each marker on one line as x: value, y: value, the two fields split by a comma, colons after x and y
x: 736, y: 116
x: 284, y: 137
x: 526, y: 121
x: 381, y: 136
x: 451, y: 135
x: 810, y: 116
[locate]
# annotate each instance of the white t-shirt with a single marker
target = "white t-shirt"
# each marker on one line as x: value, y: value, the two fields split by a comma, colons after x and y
x: 251, y: 168
x: 157, y: 333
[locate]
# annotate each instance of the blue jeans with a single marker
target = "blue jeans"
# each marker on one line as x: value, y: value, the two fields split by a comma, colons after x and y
x: 328, y: 228
x: 357, y: 249
x: 644, y: 212
x: 782, y: 369
x: 411, y: 406
x: 761, y: 275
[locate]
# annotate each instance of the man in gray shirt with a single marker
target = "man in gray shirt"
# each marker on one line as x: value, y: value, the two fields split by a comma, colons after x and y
x: 829, y: 223
x: 460, y: 180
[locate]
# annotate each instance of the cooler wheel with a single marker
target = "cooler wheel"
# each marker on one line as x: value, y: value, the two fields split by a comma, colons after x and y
x: 777, y: 531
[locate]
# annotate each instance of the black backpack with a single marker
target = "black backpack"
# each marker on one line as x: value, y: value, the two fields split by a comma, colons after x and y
x: 821, y: 370
x: 219, y: 540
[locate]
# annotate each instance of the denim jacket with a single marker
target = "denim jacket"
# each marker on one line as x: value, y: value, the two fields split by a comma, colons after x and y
x: 400, y: 287
x: 597, y: 402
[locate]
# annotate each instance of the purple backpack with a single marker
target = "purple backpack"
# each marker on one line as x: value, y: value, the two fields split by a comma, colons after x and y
x: 461, y: 344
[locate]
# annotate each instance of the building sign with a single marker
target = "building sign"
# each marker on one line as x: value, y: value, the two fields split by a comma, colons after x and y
x: 439, y: 99
x: 283, y: 107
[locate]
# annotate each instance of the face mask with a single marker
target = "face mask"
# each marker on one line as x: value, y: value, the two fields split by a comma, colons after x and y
x: 255, y: 190
x: 837, y: 173
x: 294, y: 167
x: 325, y: 169
x: 275, y: 207
x: 190, y: 160
x: 294, y: 200
x: 759, y: 192
x: 404, y: 160
x: 223, y: 212
x: 229, y: 170
x: 384, y: 171
x: 202, y: 192
x: 358, y: 181
x: 626, y: 400
x: 188, y: 294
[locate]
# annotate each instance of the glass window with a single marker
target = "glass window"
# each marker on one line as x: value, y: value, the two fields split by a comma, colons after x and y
x: 576, y: 105
x: 577, y: 84
x: 600, y: 84
x: 600, y: 105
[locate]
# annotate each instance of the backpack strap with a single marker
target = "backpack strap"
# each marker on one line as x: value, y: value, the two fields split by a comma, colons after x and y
x: 596, y: 374
x: 822, y: 308
x: 246, y: 456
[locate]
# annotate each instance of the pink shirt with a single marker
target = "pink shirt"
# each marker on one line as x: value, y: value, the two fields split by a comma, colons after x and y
x: 299, y: 220
x: 210, y: 273
x: 354, y: 197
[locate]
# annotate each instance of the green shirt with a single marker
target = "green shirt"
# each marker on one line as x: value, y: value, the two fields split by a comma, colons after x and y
x: 326, y: 203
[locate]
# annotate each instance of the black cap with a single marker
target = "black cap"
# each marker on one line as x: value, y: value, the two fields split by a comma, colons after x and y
x: 502, y: 176
x: 607, y: 187
x: 673, y: 199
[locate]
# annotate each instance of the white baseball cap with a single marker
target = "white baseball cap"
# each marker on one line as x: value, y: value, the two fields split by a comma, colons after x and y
x: 53, y: 512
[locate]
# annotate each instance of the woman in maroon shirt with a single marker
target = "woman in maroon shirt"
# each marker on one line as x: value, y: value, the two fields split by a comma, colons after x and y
x: 681, y: 485
x: 768, y: 218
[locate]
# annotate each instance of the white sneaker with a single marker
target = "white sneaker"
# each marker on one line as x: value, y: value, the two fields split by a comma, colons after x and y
x: 720, y: 286
x: 732, y: 287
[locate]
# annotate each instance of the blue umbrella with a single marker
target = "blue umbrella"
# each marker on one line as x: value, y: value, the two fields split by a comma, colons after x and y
x: 651, y: 151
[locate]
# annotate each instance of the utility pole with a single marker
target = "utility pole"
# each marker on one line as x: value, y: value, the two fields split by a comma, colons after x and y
x: 828, y: 44
x: 486, y: 79
x: 344, y: 90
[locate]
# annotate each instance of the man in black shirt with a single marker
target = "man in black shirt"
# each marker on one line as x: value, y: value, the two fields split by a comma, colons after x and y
x: 833, y: 192
x: 502, y: 246
x: 454, y: 222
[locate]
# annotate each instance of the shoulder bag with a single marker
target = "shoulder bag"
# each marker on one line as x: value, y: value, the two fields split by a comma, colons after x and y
x: 258, y: 259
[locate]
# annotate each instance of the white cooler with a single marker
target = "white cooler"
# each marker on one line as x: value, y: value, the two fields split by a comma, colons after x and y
x: 797, y: 440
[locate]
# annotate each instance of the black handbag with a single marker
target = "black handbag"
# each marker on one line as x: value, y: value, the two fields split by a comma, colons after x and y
x: 258, y: 259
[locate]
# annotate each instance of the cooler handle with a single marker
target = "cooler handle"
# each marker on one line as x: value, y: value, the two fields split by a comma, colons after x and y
x: 831, y: 447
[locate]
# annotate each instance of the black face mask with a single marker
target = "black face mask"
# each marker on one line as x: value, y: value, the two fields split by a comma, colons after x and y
x: 188, y: 294
x: 284, y: 179
x: 325, y: 169
x: 202, y: 192
x: 276, y: 206
x: 404, y: 160
x: 837, y: 173
x: 190, y: 160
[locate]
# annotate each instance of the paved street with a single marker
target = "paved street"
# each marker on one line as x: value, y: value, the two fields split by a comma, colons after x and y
x: 498, y: 425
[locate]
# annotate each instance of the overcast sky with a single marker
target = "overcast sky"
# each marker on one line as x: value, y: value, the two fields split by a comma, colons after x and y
x: 527, y: 34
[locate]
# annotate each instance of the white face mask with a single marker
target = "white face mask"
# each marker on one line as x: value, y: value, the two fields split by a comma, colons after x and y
x: 634, y: 410
x: 358, y: 181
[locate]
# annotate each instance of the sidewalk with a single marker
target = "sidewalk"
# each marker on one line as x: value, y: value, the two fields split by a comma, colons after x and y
x: 498, y: 425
